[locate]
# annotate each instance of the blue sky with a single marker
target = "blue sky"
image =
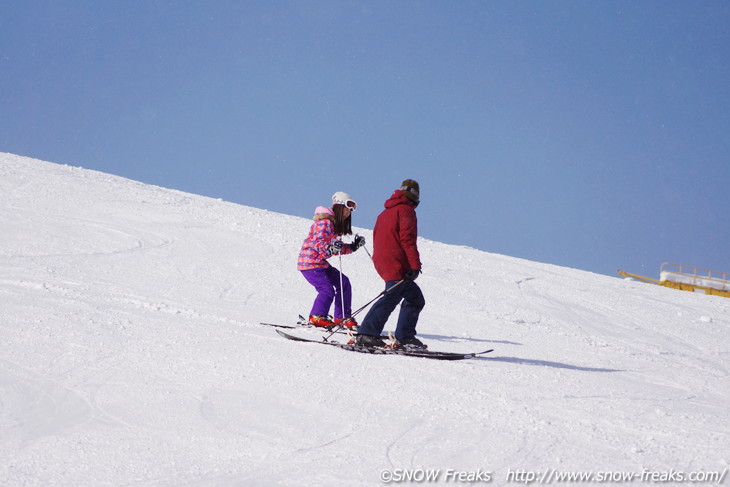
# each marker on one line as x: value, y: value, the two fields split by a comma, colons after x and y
x: 587, y: 134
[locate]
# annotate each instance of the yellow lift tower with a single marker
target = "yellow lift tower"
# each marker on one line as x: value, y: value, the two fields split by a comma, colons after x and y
x: 688, y: 278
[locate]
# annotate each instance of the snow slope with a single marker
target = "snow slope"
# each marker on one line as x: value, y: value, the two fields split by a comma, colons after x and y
x: 131, y: 354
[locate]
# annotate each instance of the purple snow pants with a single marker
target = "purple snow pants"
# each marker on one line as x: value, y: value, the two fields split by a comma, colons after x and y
x: 327, y: 283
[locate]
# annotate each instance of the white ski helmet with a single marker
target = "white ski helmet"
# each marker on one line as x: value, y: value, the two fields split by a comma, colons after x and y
x: 344, y: 199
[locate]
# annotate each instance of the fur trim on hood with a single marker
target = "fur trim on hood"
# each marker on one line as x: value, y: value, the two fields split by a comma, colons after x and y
x: 323, y: 212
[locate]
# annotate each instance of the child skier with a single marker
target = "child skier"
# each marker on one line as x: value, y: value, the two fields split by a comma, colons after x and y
x: 324, y: 241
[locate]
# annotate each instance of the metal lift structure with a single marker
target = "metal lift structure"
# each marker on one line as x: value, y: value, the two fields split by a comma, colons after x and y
x: 688, y: 278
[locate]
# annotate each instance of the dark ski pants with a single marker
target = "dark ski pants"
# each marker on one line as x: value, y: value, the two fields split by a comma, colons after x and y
x: 327, y: 283
x: 413, y: 303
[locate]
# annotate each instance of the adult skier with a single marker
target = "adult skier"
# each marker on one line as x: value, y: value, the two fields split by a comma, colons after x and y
x: 398, y: 262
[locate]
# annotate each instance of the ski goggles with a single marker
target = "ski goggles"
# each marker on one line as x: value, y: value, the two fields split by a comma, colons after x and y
x: 349, y: 204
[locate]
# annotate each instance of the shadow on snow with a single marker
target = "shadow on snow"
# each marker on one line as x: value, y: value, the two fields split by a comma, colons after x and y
x: 546, y: 363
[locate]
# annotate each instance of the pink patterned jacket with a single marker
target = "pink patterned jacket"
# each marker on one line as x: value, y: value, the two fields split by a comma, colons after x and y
x: 315, y: 249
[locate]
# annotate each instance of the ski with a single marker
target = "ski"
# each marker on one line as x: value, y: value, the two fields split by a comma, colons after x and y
x: 330, y: 329
x: 277, y: 325
x: 304, y: 323
x: 323, y: 329
x: 430, y: 354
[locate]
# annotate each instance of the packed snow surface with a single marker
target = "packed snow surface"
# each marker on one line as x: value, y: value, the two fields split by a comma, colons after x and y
x: 131, y: 354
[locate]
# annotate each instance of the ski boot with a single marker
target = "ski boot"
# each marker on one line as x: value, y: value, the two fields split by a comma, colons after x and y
x: 369, y: 341
x: 321, y: 321
x: 347, y: 323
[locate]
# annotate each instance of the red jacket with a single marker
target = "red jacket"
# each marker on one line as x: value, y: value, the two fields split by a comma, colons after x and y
x: 395, y: 251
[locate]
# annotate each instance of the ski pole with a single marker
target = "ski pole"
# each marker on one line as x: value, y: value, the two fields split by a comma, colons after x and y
x: 376, y: 297
x: 342, y: 290
x: 368, y: 252
x: 337, y: 328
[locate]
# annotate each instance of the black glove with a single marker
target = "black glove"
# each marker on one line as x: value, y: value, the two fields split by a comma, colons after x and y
x: 335, y: 247
x: 357, y: 243
x: 412, y: 275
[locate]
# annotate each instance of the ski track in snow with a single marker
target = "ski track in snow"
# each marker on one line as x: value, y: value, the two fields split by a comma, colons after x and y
x: 131, y: 354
